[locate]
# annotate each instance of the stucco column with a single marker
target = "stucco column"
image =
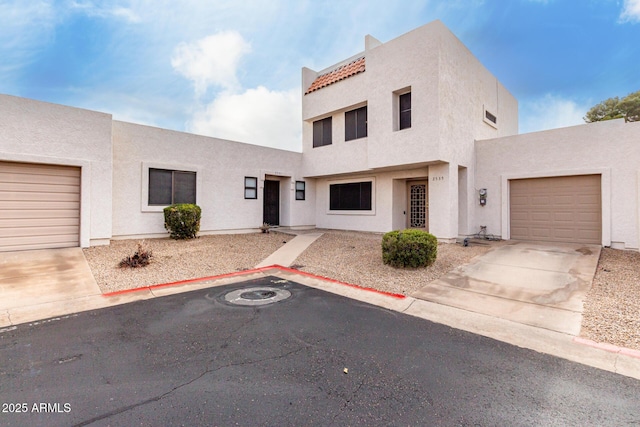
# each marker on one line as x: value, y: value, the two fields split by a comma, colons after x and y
x: 443, y: 201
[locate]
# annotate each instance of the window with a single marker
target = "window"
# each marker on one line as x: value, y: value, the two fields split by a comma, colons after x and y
x: 250, y: 187
x: 300, y: 190
x: 405, y: 110
x: 167, y: 187
x: 355, y: 124
x: 490, y: 118
x: 322, y: 132
x: 354, y: 196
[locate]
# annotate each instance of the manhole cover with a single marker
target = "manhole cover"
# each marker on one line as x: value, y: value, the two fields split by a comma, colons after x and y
x: 256, y: 296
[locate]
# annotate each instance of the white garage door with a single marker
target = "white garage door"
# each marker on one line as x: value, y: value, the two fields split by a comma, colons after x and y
x: 556, y: 209
x: 39, y: 206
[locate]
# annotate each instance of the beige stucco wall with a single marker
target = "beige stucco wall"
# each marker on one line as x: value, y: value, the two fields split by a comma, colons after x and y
x: 220, y: 167
x: 450, y: 90
x: 38, y: 132
x: 389, y: 202
x: 610, y: 149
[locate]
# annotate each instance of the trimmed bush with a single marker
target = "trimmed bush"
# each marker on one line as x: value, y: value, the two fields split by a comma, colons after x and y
x: 182, y: 220
x: 409, y: 248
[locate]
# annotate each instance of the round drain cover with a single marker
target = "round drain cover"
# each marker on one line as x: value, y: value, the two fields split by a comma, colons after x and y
x: 256, y: 296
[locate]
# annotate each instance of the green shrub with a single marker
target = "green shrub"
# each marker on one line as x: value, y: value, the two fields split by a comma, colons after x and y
x: 140, y: 258
x: 182, y: 220
x: 409, y: 248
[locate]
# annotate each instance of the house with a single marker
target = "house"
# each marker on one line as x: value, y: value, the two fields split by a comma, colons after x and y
x: 413, y: 132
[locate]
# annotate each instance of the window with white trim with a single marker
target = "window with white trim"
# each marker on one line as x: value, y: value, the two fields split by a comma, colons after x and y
x: 167, y: 187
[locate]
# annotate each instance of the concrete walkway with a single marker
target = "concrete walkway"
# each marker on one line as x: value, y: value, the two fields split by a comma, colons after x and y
x: 287, y: 254
x: 536, y: 284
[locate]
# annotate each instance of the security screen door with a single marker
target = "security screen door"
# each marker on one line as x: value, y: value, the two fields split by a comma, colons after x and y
x: 418, y: 205
x: 271, y: 207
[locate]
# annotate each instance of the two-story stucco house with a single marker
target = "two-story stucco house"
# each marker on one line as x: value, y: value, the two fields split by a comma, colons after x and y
x: 413, y: 132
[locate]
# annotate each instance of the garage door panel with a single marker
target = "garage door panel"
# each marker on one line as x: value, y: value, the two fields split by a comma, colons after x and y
x: 40, y: 231
x: 39, y: 196
x: 37, y: 222
x: 10, y: 178
x: 58, y: 213
x: 562, y: 209
x: 21, y: 206
x: 34, y: 187
x: 39, y: 206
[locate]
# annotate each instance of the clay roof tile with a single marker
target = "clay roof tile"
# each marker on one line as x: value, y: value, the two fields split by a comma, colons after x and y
x: 343, y: 72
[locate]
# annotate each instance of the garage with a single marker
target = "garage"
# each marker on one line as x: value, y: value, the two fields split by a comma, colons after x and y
x: 39, y: 206
x: 557, y: 209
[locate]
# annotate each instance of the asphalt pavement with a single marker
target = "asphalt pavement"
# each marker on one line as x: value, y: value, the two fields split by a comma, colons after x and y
x: 310, y: 358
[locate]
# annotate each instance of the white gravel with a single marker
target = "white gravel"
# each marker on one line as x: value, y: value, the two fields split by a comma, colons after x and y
x: 611, y: 309
x: 612, y: 306
x: 175, y: 260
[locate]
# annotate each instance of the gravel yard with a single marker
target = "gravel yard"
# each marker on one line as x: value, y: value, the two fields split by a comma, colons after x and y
x: 612, y: 306
x: 611, y: 309
x: 175, y: 260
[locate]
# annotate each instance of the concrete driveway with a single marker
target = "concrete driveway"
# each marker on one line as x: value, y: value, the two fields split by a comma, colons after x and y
x: 536, y: 284
x: 43, y: 281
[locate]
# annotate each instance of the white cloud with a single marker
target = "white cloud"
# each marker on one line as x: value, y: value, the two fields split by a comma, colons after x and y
x: 630, y: 11
x: 256, y: 116
x: 550, y: 112
x: 105, y: 12
x: 212, y: 60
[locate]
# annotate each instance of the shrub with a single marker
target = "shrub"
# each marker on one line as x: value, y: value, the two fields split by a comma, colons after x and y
x: 182, y: 220
x: 140, y: 258
x: 409, y: 248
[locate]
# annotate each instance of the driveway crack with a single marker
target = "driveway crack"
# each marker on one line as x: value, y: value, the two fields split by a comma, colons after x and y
x: 191, y: 381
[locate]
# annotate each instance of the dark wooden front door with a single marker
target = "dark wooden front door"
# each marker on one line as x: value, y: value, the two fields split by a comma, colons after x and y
x: 271, y: 209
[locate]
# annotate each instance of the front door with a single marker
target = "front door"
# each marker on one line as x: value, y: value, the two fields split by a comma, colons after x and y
x: 271, y: 207
x: 418, y: 205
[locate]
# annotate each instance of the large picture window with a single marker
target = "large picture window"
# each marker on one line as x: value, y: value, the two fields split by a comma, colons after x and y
x: 167, y: 187
x: 353, y: 196
x: 322, y: 132
x: 355, y: 124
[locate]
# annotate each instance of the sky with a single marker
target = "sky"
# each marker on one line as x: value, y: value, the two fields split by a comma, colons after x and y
x: 232, y: 68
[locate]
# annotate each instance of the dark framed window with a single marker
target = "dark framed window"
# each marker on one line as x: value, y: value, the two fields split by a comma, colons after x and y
x: 493, y: 119
x: 322, y: 132
x: 167, y: 187
x: 300, y: 190
x: 405, y: 110
x: 250, y: 187
x: 355, y: 124
x: 354, y: 196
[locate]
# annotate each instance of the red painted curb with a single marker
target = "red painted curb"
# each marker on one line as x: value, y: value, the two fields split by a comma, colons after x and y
x: 608, y: 347
x: 245, y: 272
x: 328, y: 279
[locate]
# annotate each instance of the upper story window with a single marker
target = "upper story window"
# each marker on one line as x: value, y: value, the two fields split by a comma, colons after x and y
x: 167, y: 187
x: 322, y: 132
x: 355, y: 123
x: 490, y: 118
x: 405, y: 110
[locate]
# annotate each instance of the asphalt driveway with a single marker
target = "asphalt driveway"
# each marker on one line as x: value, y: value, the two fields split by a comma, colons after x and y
x: 536, y: 284
x: 314, y: 358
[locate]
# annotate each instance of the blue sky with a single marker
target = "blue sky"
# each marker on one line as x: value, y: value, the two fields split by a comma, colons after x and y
x: 231, y: 68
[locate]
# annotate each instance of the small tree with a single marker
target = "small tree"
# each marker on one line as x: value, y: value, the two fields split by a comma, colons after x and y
x: 182, y: 220
x: 616, y: 108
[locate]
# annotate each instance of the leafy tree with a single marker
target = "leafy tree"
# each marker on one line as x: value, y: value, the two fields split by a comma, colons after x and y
x: 616, y: 108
